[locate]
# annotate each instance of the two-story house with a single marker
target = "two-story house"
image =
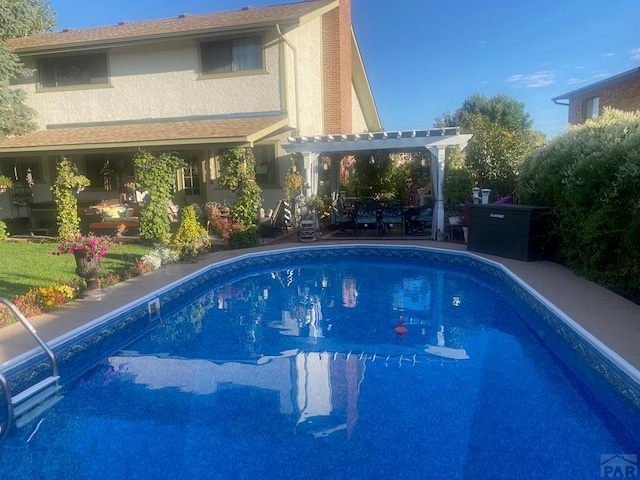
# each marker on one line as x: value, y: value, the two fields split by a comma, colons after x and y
x: 193, y: 84
x: 621, y: 92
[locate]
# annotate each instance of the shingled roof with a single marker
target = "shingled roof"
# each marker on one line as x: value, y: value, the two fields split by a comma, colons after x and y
x: 183, y: 25
x: 175, y: 133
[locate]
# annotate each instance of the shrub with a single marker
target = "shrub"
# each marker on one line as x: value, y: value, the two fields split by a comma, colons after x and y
x: 162, y: 255
x: 245, y: 237
x: 590, y: 177
x: 222, y: 225
x: 4, y: 233
x: 191, y: 238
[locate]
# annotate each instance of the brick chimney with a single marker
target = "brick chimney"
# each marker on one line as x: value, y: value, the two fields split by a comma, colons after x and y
x: 336, y: 26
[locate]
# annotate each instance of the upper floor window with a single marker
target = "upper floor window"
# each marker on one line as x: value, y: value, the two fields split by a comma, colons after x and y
x: 73, y: 70
x: 590, y: 108
x: 234, y: 55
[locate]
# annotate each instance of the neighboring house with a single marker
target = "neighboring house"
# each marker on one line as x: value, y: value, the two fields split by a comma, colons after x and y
x: 621, y: 92
x: 194, y: 84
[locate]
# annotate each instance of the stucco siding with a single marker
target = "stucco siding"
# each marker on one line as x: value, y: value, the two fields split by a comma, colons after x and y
x: 160, y: 81
x: 307, y: 41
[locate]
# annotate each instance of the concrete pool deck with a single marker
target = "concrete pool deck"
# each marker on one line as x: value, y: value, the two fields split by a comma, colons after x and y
x: 610, y: 318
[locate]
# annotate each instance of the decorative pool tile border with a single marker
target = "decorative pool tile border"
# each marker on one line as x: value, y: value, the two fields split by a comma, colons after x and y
x: 136, y: 320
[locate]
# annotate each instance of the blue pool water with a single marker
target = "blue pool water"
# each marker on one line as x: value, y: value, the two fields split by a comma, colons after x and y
x: 295, y: 371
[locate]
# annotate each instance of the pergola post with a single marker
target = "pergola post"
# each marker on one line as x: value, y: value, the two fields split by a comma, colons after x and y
x: 437, y: 179
x: 336, y: 161
x: 311, y: 173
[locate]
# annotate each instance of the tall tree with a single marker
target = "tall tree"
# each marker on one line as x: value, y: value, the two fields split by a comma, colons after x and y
x: 502, y: 137
x: 18, y: 18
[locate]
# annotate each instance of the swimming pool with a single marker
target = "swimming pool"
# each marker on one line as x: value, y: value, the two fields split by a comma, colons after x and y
x: 287, y: 364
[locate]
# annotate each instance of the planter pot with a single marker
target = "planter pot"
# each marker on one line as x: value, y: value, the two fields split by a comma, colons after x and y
x: 89, y: 268
x: 475, y: 192
x: 306, y: 231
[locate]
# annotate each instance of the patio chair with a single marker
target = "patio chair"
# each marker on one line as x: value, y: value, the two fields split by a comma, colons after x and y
x: 366, y: 215
x: 391, y: 213
x: 278, y: 221
x: 342, y: 219
x: 419, y: 221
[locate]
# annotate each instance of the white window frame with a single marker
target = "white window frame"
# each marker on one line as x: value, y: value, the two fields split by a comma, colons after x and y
x: 590, y: 108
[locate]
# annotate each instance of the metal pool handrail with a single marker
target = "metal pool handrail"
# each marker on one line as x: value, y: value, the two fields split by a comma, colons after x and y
x: 34, y: 333
x: 4, y: 384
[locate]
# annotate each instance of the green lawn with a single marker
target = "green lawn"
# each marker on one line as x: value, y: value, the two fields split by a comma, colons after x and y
x: 25, y: 265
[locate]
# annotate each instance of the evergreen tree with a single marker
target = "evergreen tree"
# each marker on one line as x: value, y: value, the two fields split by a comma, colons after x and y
x: 18, y: 18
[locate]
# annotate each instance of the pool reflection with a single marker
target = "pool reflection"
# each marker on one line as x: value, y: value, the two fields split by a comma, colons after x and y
x: 307, y: 334
x: 319, y: 389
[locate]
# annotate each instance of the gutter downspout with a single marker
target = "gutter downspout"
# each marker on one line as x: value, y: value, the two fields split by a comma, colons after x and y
x: 295, y: 77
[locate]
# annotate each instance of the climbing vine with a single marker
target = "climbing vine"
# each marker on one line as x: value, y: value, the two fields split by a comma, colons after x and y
x: 5, y: 183
x: 68, y: 183
x: 156, y: 176
x: 293, y: 181
x: 239, y: 167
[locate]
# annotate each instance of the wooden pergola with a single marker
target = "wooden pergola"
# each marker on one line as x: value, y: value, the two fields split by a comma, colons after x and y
x: 434, y: 141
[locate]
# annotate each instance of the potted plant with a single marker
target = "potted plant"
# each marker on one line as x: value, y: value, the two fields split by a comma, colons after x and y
x: 315, y: 207
x: 88, y: 250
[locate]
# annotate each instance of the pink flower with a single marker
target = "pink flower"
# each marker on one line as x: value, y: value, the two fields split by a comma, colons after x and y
x: 90, y: 245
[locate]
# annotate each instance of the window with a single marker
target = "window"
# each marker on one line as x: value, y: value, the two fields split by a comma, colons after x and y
x: 72, y: 71
x: 590, y: 108
x: 234, y: 55
x: 191, y: 177
x: 266, y: 168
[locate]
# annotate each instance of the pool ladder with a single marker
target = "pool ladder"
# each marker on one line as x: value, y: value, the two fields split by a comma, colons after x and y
x: 35, y: 400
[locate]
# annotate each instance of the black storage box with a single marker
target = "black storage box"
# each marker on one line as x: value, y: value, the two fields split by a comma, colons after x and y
x: 507, y: 230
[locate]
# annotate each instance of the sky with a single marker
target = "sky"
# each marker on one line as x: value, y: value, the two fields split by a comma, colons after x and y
x: 424, y: 58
